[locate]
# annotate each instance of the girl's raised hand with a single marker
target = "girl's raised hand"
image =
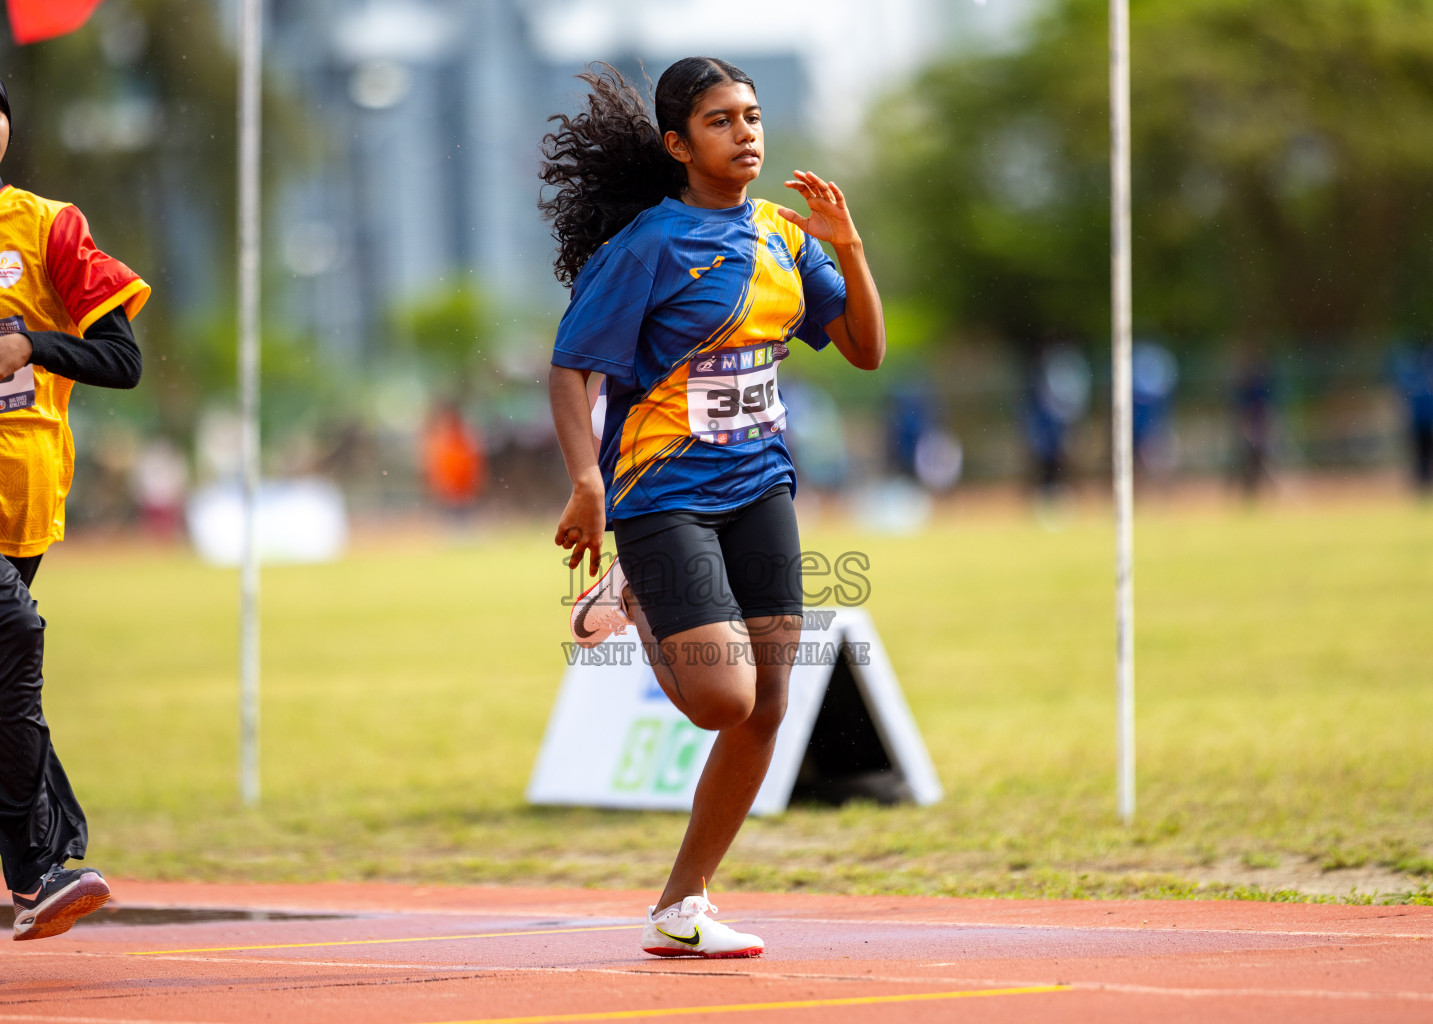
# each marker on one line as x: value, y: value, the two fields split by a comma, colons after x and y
x: 830, y: 221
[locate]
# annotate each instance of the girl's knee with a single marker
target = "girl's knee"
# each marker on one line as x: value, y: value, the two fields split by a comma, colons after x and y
x: 768, y: 712
x: 724, y: 701
x: 755, y: 710
x: 723, y: 712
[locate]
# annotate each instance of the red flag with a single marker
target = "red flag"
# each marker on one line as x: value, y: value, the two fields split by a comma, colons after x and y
x: 34, y: 20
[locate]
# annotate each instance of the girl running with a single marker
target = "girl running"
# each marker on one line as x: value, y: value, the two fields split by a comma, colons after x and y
x: 685, y: 295
x: 65, y: 310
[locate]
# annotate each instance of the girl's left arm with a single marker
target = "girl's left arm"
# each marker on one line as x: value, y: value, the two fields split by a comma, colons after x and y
x: 860, y: 332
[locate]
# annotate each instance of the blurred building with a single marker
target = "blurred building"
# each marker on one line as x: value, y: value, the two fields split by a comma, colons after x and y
x: 430, y: 114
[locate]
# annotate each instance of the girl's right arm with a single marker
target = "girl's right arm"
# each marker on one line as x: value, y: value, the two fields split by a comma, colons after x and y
x: 584, y: 520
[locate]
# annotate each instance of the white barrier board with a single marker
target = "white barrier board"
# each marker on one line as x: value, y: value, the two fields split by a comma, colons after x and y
x: 615, y: 740
x: 299, y: 521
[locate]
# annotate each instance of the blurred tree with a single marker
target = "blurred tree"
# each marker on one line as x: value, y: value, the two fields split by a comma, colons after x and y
x: 1283, y: 173
x: 450, y: 329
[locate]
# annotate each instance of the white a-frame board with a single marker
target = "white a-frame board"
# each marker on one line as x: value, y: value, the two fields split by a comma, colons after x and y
x: 615, y: 740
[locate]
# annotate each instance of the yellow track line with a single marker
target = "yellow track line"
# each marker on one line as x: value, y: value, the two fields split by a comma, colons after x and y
x: 802, y: 1004
x: 379, y: 942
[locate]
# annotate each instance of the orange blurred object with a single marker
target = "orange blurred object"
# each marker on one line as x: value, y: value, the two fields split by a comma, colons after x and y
x: 453, y: 459
x: 34, y: 20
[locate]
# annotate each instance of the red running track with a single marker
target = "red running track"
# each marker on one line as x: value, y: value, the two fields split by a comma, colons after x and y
x: 369, y: 953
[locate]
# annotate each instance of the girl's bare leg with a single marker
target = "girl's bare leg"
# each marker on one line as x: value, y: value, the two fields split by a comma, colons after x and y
x: 743, y: 698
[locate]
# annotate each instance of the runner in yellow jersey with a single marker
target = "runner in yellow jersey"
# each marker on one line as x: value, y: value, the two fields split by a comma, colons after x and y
x: 65, y: 308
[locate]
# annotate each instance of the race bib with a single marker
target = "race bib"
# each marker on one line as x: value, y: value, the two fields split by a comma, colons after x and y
x: 17, y: 391
x: 732, y: 396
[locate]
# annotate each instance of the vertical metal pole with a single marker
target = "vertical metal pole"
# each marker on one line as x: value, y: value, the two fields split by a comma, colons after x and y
x: 1122, y: 317
x: 250, y: 95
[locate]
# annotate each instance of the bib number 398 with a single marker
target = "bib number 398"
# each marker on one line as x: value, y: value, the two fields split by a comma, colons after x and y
x: 752, y: 399
x: 732, y: 396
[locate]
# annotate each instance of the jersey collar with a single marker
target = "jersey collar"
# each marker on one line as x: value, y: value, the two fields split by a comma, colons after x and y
x: 702, y: 213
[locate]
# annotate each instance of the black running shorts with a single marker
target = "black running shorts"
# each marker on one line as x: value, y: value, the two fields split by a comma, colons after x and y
x: 690, y: 569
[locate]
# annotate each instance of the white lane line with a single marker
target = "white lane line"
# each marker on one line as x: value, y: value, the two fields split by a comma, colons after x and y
x: 658, y: 970
x: 997, y: 926
x: 1255, y: 993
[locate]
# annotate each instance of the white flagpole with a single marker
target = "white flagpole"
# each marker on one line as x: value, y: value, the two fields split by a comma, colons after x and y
x: 250, y: 96
x: 1122, y: 317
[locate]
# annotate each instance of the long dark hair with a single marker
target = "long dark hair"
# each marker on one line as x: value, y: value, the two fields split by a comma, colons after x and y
x: 609, y: 163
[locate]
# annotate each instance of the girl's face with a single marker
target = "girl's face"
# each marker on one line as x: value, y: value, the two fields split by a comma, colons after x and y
x: 724, y: 145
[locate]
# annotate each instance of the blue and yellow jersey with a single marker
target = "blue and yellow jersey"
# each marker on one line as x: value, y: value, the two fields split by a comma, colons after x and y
x: 688, y: 312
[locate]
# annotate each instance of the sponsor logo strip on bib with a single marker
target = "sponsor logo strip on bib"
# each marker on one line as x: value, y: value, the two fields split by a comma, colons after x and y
x: 732, y: 396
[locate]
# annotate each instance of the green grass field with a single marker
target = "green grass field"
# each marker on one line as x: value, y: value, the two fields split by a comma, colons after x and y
x: 1285, y: 714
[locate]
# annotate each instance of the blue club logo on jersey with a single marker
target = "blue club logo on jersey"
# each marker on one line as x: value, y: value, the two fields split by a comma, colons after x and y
x: 777, y: 245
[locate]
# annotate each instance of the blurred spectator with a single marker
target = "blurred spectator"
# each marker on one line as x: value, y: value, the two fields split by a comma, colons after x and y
x: 1413, y: 373
x: 815, y: 434
x: 910, y: 414
x: 454, y: 461
x: 919, y: 446
x: 217, y: 436
x: 1156, y: 374
x: 159, y: 484
x: 939, y: 461
x: 1057, y: 397
x: 1254, y: 423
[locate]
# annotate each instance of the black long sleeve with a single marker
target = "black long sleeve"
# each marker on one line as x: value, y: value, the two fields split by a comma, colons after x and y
x: 106, y: 356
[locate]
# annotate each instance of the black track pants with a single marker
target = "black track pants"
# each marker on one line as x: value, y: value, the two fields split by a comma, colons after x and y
x: 41, y: 823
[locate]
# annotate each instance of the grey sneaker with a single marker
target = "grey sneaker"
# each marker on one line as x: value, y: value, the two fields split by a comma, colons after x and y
x: 65, y: 896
